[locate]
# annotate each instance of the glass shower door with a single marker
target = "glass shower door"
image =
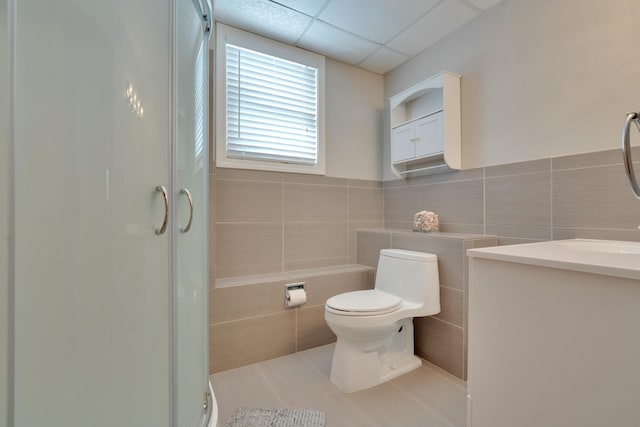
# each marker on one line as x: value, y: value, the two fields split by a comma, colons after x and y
x: 5, y: 182
x: 92, y: 276
x: 191, y: 200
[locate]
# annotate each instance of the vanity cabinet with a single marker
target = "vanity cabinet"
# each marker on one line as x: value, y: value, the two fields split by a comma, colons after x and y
x: 553, y: 335
x: 425, y: 127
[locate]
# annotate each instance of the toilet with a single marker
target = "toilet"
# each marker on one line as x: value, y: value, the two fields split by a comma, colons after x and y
x: 375, y: 327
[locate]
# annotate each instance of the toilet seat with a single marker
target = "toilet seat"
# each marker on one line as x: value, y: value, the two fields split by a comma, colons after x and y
x: 364, y: 303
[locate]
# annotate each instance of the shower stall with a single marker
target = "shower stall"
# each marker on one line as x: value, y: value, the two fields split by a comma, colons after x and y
x: 103, y: 213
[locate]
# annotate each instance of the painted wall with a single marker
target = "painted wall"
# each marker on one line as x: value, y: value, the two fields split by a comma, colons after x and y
x: 539, y: 78
x: 355, y: 102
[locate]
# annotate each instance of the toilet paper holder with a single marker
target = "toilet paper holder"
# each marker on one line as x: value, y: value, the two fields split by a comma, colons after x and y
x: 295, y: 294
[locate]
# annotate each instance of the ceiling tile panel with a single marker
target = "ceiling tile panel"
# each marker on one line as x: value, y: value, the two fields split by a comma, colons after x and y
x: 262, y: 17
x: 377, y: 20
x: 352, y: 30
x: 383, y: 60
x: 484, y: 4
x: 435, y: 25
x: 333, y: 42
x: 308, y: 7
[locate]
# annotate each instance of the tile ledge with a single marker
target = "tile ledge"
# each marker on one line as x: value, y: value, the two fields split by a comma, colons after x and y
x: 441, y: 234
x: 284, y: 276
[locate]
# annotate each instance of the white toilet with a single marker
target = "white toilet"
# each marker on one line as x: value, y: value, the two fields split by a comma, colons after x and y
x: 375, y: 327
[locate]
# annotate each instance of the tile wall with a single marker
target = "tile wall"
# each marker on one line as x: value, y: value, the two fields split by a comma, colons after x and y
x: 249, y: 322
x: 585, y: 195
x: 268, y: 228
x: 268, y: 222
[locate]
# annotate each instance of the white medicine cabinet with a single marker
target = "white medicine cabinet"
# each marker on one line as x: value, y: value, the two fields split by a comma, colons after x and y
x: 425, y: 127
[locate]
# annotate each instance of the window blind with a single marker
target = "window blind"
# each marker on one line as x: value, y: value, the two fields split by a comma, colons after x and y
x: 272, y: 108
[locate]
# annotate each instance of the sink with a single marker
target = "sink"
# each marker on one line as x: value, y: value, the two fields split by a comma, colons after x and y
x: 602, y: 246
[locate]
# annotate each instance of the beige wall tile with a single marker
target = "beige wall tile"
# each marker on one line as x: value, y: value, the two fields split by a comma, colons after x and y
x: 440, y: 343
x: 300, y: 178
x: 451, y: 306
x: 561, y: 233
x: 370, y: 279
x: 240, y: 302
x: 398, y: 183
x: 364, y: 183
x: 365, y: 204
x: 531, y: 232
x: 598, y: 197
x: 354, y: 226
x: 323, y: 286
x: 369, y: 244
x: 461, y: 175
x: 311, y: 203
x: 248, y: 201
x: 482, y: 242
x: 401, y: 204
x: 455, y: 202
x: 312, y: 329
x: 309, y: 241
x: 598, y: 158
x: 462, y: 228
x: 242, y: 342
x: 399, y: 225
x: 243, y: 249
x: 541, y: 165
x: 248, y: 175
x: 315, y: 263
x: 450, y: 254
x: 519, y: 200
x: 505, y: 241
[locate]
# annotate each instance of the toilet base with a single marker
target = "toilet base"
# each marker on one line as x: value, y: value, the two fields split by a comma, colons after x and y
x: 354, y: 369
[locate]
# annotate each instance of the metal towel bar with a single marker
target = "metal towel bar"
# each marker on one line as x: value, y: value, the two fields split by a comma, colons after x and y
x: 626, y: 151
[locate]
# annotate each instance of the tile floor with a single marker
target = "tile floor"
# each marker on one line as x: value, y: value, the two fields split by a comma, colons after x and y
x: 426, y: 397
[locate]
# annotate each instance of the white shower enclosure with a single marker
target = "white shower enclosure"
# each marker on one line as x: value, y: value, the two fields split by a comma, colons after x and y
x: 103, y: 213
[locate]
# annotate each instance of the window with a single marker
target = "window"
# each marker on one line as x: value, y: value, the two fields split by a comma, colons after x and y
x: 269, y: 104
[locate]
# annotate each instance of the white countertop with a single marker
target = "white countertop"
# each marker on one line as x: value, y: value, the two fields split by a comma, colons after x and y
x: 607, y: 257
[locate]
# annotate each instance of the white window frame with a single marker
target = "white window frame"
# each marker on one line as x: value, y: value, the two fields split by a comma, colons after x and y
x: 226, y: 34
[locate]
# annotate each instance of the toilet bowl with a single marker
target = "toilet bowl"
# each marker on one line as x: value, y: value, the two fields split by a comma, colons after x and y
x: 375, y: 327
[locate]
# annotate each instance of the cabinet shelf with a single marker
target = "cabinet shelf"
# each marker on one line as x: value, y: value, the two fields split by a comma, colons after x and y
x: 412, y: 120
x: 425, y: 127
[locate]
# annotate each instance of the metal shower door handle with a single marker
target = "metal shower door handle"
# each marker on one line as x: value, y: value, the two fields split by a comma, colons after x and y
x: 165, y: 197
x: 626, y: 151
x: 188, y: 194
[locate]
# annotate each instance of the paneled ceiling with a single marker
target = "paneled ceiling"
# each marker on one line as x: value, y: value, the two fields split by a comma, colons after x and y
x: 377, y: 35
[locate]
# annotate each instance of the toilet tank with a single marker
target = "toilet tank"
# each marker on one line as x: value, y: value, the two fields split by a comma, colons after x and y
x: 411, y: 275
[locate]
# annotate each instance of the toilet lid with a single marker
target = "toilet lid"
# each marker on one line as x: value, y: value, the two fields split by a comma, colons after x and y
x: 365, y: 302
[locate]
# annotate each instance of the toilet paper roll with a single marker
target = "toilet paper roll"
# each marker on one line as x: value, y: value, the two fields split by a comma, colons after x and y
x: 296, y: 297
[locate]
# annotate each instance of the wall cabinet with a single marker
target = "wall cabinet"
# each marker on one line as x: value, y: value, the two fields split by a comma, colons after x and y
x: 425, y: 127
x: 418, y: 139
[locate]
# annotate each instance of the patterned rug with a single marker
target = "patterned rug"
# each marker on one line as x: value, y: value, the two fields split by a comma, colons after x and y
x: 256, y: 417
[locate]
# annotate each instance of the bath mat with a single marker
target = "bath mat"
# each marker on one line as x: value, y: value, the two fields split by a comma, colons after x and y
x: 256, y: 417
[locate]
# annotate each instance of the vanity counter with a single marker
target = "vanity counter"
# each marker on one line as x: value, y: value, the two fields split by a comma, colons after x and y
x: 610, y: 258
